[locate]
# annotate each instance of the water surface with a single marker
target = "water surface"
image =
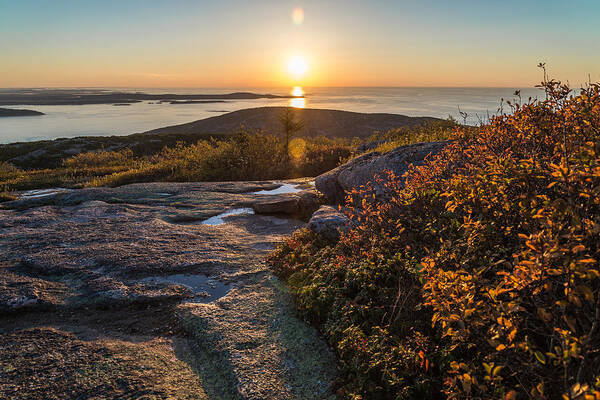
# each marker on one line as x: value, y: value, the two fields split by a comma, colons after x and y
x: 218, y: 219
x: 205, y: 288
x: 285, y: 188
x: 106, y: 119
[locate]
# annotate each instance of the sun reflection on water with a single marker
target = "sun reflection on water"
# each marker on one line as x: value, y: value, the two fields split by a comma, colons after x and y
x: 298, y: 101
x: 297, y: 91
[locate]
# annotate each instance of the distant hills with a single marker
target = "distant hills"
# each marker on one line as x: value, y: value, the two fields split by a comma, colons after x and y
x: 332, y: 123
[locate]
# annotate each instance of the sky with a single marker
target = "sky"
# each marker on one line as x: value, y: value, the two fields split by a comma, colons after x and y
x: 249, y: 43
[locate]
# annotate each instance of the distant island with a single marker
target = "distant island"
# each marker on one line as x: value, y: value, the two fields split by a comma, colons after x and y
x: 196, y: 101
x: 10, y: 112
x: 97, y: 96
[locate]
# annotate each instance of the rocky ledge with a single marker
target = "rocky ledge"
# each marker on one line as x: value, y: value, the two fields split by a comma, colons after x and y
x: 153, y: 289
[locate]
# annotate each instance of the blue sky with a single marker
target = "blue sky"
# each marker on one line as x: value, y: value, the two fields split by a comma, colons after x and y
x: 345, y: 43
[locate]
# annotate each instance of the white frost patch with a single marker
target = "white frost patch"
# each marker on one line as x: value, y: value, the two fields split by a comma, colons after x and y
x: 31, y: 194
x: 218, y: 219
x: 285, y: 188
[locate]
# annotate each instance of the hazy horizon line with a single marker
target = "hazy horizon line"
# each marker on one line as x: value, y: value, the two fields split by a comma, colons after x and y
x: 272, y: 87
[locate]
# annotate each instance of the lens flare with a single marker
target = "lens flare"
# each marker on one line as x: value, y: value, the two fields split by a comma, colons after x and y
x: 297, y: 149
x: 298, y: 16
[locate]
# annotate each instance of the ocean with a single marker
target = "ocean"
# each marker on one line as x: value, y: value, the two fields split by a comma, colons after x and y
x: 106, y: 119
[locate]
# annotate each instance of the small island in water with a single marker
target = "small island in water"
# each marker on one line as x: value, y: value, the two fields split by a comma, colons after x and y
x: 13, y: 112
x: 67, y: 97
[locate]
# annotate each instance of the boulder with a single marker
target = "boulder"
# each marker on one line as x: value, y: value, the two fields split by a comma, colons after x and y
x: 364, y: 169
x: 308, y: 202
x: 289, y: 205
x: 301, y: 204
x: 329, y: 222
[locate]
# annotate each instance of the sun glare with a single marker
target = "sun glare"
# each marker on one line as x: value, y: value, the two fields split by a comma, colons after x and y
x: 297, y: 66
x: 297, y: 91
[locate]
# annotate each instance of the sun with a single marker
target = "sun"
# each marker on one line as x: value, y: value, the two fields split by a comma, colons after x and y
x: 297, y: 66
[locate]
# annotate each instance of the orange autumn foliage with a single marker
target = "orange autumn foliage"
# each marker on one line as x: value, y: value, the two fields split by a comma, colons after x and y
x: 479, y: 278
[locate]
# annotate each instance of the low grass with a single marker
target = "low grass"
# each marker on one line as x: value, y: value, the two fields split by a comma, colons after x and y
x: 242, y: 156
x: 429, y: 132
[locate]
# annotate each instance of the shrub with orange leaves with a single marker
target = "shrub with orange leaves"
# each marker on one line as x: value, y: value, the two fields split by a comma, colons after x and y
x: 479, y: 277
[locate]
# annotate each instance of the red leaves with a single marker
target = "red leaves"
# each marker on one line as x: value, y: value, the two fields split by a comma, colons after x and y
x: 491, y: 249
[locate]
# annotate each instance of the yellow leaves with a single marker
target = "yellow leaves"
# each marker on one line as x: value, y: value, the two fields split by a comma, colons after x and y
x: 532, y: 246
x: 454, y: 317
x: 450, y: 206
x: 540, y: 356
x: 592, y: 274
x: 435, y: 318
x: 538, y: 390
x: 488, y: 367
x: 578, y: 391
x: 504, y: 322
x: 494, y: 293
x: 487, y: 308
x: 449, y: 332
x: 496, y: 370
x: 587, y: 261
x: 491, y: 369
x: 467, y: 382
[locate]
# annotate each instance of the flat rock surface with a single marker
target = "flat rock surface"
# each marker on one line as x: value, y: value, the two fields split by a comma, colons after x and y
x: 88, y: 270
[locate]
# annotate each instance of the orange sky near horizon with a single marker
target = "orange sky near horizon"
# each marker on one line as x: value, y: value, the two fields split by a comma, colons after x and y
x: 234, y: 44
